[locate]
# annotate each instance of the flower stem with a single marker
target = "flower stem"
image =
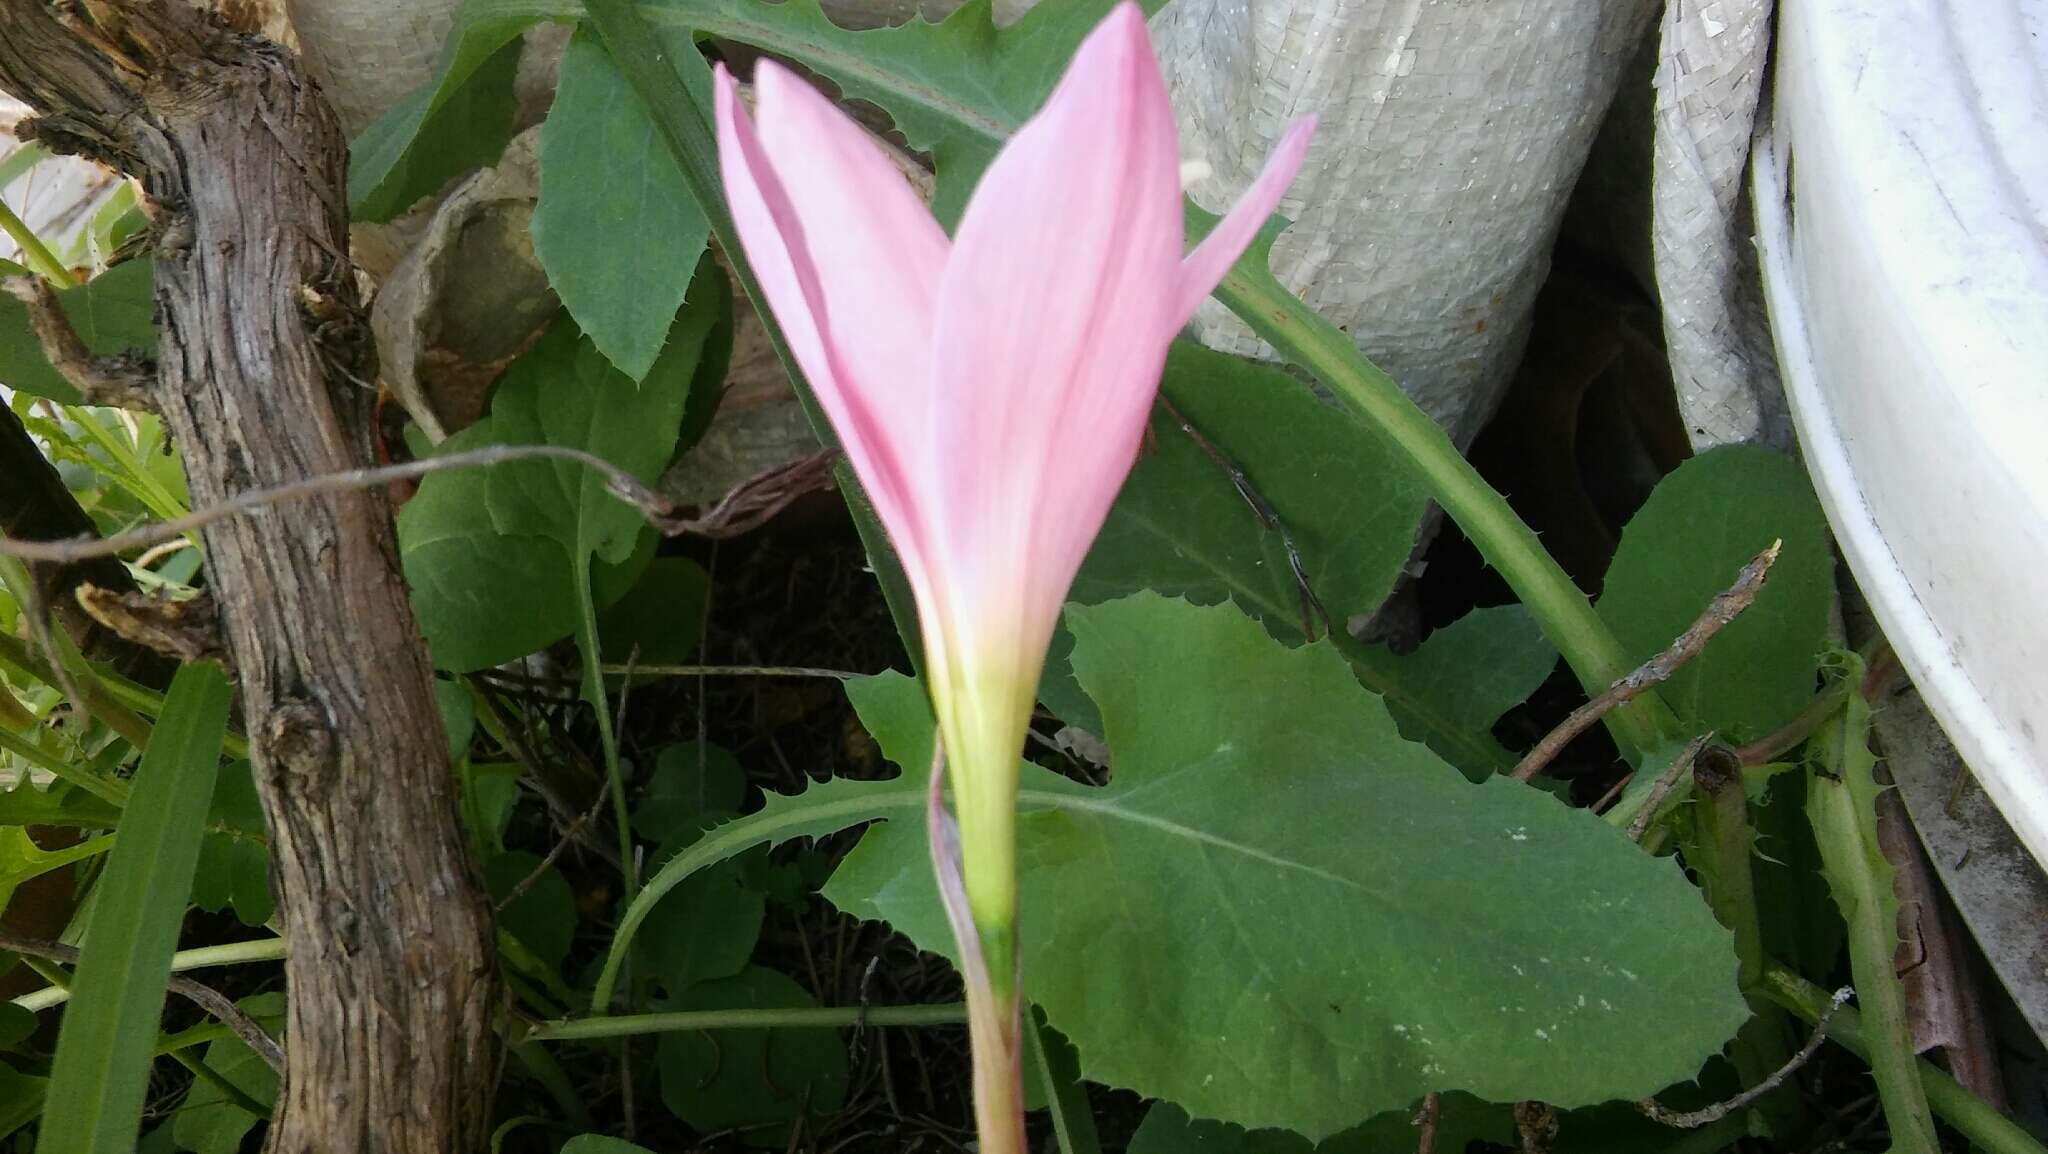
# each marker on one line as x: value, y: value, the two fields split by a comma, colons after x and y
x: 1506, y: 542
x: 987, y: 948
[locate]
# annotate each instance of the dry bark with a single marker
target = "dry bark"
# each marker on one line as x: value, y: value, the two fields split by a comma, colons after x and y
x: 391, y: 975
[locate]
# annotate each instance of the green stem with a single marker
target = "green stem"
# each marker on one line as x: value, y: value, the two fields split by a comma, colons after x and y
x: 1720, y: 851
x: 1507, y: 543
x: 1977, y: 1120
x: 17, y: 163
x: 110, y: 790
x: 38, y: 255
x: 814, y: 1017
x: 554, y: 1080
x: 1840, y: 805
x: 593, y: 692
x: 231, y: 954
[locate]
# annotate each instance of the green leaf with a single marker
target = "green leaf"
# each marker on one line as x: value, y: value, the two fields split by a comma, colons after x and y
x: 1473, y: 670
x: 112, y: 313
x: 17, y: 1023
x: 615, y: 226
x: 704, y: 929
x: 1342, y: 920
x: 1181, y: 527
x: 234, y: 859
x: 662, y: 615
x: 458, y: 716
x: 21, y: 1098
x: 101, y: 1069
x: 599, y: 1144
x: 544, y: 917
x: 458, y: 121
x: 210, y: 1122
x: 21, y: 858
x: 61, y: 804
x: 755, y: 1081
x: 492, y: 555
x: 1461, y: 1121
x: 956, y: 89
x: 1700, y: 526
x: 483, y: 597
x: 692, y: 788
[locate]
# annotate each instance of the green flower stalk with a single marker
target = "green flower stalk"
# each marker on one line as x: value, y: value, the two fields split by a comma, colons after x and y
x: 991, y: 391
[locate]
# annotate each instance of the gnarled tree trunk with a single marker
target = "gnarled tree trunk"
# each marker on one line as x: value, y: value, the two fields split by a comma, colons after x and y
x: 391, y: 976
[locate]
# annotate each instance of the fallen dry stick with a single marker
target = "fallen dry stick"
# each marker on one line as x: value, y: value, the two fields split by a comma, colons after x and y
x: 1724, y: 608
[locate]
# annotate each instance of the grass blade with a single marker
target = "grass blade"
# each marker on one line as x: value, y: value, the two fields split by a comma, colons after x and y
x: 101, y: 1072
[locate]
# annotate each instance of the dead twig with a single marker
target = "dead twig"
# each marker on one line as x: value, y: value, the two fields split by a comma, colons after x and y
x: 1425, y: 1122
x: 187, y: 629
x: 1707, y: 1116
x: 1662, y: 786
x: 619, y: 483
x: 1536, y: 1127
x: 121, y: 382
x: 752, y: 502
x: 205, y: 997
x: 1724, y: 608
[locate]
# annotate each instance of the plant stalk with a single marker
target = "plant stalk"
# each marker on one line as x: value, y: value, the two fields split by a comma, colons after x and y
x: 1840, y: 805
x: 1720, y: 851
x: 1977, y: 1120
x: 808, y: 1017
x: 34, y: 252
x: 1507, y: 543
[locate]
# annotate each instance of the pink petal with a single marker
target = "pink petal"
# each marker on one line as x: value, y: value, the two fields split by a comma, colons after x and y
x: 1052, y: 328
x: 1206, y: 267
x: 832, y: 242
x: 878, y: 251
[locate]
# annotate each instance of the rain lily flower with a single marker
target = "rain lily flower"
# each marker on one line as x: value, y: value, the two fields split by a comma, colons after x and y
x: 991, y: 392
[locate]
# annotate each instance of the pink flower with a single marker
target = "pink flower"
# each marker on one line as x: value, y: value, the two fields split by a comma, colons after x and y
x: 990, y: 391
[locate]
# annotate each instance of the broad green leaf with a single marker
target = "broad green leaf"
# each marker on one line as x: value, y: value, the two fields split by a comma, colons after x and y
x: 457, y: 121
x: 234, y: 859
x: 755, y: 1081
x: 61, y: 804
x: 483, y: 597
x: 492, y: 555
x: 1700, y: 526
x: 21, y: 1098
x: 1461, y: 1121
x: 17, y: 1023
x: 956, y: 88
x: 599, y: 1144
x: 1180, y: 526
x: 1472, y: 670
x: 101, y: 1070
x: 704, y: 929
x: 1280, y: 913
x: 458, y: 716
x: 21, y: 858
x: 112, y: 313
x: 693, y: 787
x: 544, y: 917
x: 826, y: 807
x: 615, y: 226
x: 209, y: 1122
x: 661, y: 616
